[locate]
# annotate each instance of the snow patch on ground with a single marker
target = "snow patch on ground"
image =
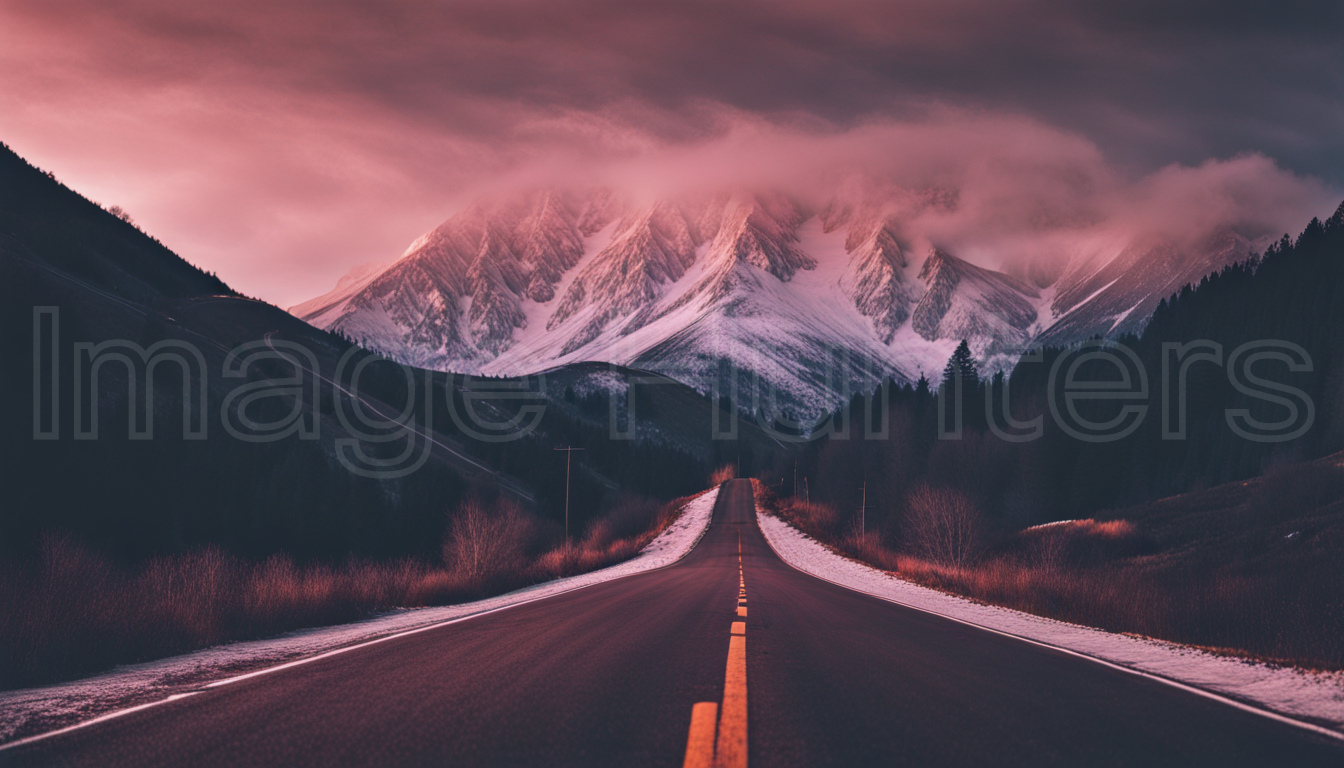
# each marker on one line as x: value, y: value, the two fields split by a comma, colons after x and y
x: 31, y: 711
x: 1316, y: 697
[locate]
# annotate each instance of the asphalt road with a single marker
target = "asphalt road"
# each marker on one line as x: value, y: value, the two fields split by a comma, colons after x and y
x: 608, y: 675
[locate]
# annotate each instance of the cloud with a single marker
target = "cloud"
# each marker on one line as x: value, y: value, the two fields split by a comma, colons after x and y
x: 1019, y: 189
x: 282, y: 143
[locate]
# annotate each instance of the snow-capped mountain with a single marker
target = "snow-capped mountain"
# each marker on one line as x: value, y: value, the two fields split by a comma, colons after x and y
x: 731, y: 290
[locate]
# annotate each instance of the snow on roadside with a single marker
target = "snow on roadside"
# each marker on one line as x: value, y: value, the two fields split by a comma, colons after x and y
x: 1316, y: 697
x: 29, y: 711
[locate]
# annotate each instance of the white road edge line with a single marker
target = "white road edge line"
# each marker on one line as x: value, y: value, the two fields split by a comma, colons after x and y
x: 338, y: 651
x: 99, y: 719
x: 1218, y: 697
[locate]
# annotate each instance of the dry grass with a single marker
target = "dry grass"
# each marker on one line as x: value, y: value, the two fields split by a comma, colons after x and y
x: 69, y: 611
x: 1288, y: 622
x: 819, y: 521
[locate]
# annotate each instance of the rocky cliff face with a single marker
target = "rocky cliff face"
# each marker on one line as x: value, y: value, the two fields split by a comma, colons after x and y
x: 876, y: 278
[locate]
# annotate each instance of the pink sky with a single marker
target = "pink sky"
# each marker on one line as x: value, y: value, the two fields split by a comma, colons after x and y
x: 282, y: 144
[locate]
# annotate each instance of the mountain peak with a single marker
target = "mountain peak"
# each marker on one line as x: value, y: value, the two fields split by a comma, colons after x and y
x: 600, y: 209
x: 650, y: 248
x: 875, y: 278
x: 496, y: 280
x: 551, y: 243
x: 763, y: 232
x: 935, y: 263
x: 963, y: 301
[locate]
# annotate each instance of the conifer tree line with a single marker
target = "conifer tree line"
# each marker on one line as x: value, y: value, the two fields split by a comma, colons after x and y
x: 1291, y: 293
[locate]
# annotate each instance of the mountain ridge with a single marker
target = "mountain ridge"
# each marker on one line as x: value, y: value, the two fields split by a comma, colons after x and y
x: 689, y: 286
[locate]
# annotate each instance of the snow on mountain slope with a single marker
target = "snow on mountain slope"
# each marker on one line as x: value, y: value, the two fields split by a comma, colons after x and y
x: 875, y: 278
x: 804, y: 337
x: 795, y: 344
x: 1111, y: 293
x: 745, y: 291
x: 963, y: 301
x: 650, y: 248
x: 551, y: 243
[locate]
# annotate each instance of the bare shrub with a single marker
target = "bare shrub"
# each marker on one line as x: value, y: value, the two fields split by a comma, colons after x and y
x: 820, y: 521
x: 1047, y: 549
x: 570, y: 559
x: 942, y: 525
x: 599, y: 534
x: 723, y: 474
x: 557, y: 563
x: 483, y: 545
x: 817, y: 517
x: 667, y: 515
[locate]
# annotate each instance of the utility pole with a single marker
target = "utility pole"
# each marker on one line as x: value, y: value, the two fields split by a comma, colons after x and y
x: 863, y: 512
x: 569, y: 456
x: 807, y: 490
x: 795, y: 478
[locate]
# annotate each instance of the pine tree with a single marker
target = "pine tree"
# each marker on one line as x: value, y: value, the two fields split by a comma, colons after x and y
x: 961, y: 386
x: 961, y: 366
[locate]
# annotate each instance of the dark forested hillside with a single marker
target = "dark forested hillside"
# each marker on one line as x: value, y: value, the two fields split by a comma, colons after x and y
x: 74, y: 274
x: 74, y: 234
x: 1285, y: 303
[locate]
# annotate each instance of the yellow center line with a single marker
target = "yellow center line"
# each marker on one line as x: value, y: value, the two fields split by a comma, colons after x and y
x: 731, y: 750
x: 700, y: 743
x: 728, y: 747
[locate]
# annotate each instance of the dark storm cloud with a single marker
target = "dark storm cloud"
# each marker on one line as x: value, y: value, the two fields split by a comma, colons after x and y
x: 1153, y: 81
x: 412, y: 103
